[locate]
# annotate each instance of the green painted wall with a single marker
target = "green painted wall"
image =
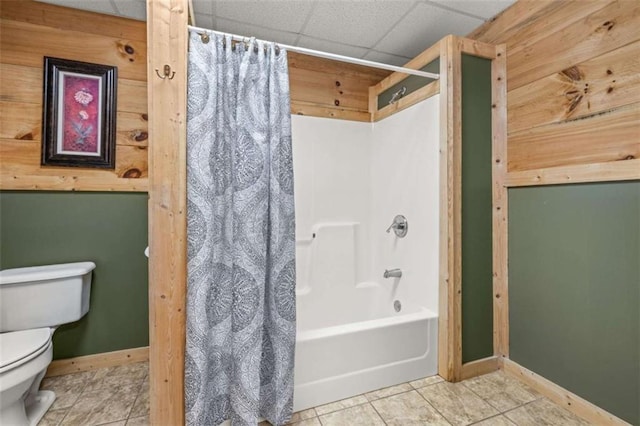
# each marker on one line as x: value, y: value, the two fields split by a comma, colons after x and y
x: 477, y: 269
x: 574, y: 289
x: 110, y: 229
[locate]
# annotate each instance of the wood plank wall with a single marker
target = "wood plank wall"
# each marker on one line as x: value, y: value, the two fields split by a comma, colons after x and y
x: 573, y: 81
x: 31, y: 30
x: 330, y: 89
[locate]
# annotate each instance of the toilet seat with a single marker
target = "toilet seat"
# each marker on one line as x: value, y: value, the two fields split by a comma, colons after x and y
x: 18, y: 347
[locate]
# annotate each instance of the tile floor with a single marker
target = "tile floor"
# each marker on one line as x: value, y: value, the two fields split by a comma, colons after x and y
x: 115, y: 396
x: 119, y: 396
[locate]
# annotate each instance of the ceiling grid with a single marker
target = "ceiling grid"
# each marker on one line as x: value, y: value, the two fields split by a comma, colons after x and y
x: 390, y: 31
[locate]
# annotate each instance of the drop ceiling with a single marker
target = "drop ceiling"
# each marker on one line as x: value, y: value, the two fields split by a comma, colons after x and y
x: 390, y: 31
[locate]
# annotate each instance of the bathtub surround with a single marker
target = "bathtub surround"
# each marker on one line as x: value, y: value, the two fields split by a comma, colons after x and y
x: 110, y: 229
x: 241, y: 272
x: 352, y: 179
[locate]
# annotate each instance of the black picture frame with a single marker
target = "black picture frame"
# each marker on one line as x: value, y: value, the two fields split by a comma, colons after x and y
x: 79, y: 114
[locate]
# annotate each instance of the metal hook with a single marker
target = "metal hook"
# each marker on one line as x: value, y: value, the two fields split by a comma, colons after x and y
x: 397, y: 95
x: 167, y: 73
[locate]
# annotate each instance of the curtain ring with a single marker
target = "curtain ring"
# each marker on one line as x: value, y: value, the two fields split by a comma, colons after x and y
x: 205, y: 38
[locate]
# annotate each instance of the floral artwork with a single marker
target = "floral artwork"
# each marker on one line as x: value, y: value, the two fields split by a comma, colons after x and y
x: 79, y: 117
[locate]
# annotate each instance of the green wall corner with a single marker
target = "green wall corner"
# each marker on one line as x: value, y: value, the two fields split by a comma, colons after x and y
x: 574, y: 289
x: 477, y: 259
x: 110, y: 229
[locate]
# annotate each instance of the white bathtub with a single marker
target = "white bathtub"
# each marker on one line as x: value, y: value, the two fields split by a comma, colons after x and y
x: 350, y: 338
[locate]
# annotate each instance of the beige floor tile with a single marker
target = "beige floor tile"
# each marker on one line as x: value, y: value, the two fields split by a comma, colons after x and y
x: 138, y: 421
x: 502, y: 391
x: 120, y: 423
x: 407, y: 409
x: 53, y: 417
x: 360, y: 415
x: 308, y: 422
x: 67, y: 388
x: 141, y: 406
x: 303, y: 415
x: 544, y: 413
x: 341, y: 405
x: 102, y: 406
x: 420, y: 383
x: 500, y: 420
x: 392, y: 390
x: 457, y: 403
x: 123, y: 375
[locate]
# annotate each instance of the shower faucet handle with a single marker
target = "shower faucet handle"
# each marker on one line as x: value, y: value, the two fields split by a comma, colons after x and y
x: 395, y: 226
x: 400, y: 226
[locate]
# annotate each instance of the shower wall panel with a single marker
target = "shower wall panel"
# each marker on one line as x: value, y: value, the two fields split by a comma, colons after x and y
x: 405, y: 180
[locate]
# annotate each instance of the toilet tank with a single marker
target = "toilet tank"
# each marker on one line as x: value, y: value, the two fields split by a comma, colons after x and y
x: 44, y: 296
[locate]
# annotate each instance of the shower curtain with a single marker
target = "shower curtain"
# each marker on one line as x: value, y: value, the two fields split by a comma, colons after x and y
x: 241, y: 244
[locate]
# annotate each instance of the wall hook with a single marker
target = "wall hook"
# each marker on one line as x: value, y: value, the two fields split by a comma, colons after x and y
x: 167, y: 73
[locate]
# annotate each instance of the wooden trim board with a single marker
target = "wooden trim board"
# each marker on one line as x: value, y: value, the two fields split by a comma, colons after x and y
x: 411, y: 99
x: 450, y: 291
x: 167, y: 103
x: 418, y: 62
x: 96, y: 361
x: 317, y: 110
x: 500, y: 202
x: 9, y: 181
x: 479, y: 367
x: 478, y: 48
x: 572, y: 402
x: 596, y: 172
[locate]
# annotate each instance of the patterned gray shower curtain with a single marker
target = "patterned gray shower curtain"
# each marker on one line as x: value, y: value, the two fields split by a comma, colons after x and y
x: 241, y: 244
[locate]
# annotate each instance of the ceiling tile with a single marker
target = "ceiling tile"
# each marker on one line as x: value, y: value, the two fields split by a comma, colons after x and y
x: 100, y: 6
x: 247, y: 30
x: 331, y: 47
x: 136, y: 9
x: 386, y: 58
x: 358, y: 23
x: 287, y: 15
x: 484, y: 8
x: 424, y: 26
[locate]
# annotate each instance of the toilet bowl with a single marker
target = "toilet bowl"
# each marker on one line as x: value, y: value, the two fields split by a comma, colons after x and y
x: 24, y: 357
x: 33, y: 302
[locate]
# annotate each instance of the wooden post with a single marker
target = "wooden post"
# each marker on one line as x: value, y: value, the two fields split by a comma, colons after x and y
x: 167, y: 46
x: 450, y: 287
x: 500, y: 204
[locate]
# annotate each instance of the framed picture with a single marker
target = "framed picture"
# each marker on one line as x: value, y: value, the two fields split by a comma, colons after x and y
x: 79, y: 114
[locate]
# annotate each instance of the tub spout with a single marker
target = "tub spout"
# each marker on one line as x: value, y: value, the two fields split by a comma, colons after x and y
x: 393, y: 273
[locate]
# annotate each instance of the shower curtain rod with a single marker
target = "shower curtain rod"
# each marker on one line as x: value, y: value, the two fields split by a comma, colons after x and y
x: 333, y: 56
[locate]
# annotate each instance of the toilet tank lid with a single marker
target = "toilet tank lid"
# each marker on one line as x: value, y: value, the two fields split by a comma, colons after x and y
x: 46, y: 272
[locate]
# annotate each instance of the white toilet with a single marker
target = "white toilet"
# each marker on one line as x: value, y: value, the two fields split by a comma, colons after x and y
x: 33, y: 302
